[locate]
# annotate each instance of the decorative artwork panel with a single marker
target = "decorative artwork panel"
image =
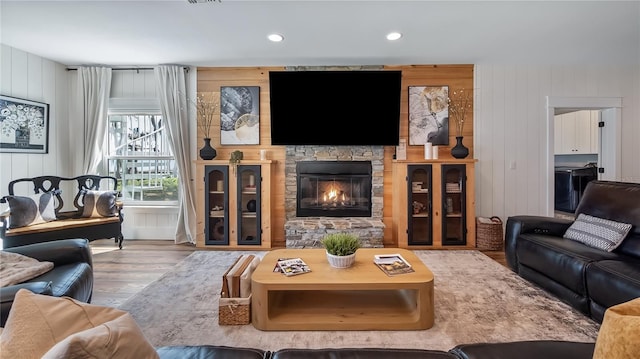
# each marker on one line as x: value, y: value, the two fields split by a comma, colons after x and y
x: 240, y: 115
x: 428, y: 115
x: 24, y: 125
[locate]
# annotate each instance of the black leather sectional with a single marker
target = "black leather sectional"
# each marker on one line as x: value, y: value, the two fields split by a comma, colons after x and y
x: 522, y: 350
x: 71, y: 276
x: 589, y: 279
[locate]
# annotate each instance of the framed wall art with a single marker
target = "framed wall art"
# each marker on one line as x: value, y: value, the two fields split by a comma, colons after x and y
x: 428, y: 115
x: 240, y: 115
x: 24, y: 125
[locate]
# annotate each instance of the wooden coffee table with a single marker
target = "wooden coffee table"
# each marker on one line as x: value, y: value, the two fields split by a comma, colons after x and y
x: 361, y: 297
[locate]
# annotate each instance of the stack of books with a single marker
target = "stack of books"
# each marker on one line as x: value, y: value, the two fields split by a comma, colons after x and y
x: 452, y: 187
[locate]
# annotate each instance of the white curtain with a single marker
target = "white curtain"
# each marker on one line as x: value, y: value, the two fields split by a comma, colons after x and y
x: 94, y: 86
x: 171, y: 90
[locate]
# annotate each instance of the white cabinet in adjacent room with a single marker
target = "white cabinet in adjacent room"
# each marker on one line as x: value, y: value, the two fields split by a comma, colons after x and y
x: 576, y: 133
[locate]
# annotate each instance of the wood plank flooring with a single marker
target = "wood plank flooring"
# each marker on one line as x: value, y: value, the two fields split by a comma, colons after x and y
x: 119, y: 274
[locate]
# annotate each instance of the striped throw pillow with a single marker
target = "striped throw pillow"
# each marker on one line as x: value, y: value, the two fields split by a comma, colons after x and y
x: 597, y: 232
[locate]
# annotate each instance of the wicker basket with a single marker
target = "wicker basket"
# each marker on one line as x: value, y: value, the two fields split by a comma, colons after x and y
x: 234, y: 311
x: 489, y: 233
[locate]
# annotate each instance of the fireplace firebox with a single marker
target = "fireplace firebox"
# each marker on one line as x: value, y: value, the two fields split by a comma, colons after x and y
x: 333, y: 189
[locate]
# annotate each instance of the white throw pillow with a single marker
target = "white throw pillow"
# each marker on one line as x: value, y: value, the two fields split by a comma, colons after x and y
x: 29, y: 210
x: 597, y: 232
x: 99, y: 203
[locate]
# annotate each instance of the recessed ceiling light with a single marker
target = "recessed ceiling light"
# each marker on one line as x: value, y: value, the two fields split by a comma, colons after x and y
x: 275, y: 37
x: 394, y: 36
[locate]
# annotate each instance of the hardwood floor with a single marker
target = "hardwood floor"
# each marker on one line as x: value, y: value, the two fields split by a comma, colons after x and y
x: 119, y: 274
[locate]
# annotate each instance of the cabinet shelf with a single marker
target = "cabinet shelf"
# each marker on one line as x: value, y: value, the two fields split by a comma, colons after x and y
x: 421, y: 215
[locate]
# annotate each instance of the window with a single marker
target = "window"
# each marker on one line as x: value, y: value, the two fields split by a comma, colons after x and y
x: 139, y: 155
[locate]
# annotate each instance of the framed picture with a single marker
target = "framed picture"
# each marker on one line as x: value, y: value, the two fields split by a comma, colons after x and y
x: 240, y: 115
x: 428, y: 115
x: 24, y: 125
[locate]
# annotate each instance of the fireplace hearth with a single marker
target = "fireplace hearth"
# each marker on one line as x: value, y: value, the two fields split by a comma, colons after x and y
x: 333, y: 189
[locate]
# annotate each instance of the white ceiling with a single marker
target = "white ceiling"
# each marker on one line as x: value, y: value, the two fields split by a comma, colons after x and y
x: 233, y: 32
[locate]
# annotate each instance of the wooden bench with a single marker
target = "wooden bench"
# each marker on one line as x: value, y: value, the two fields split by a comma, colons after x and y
x: 69, y: 223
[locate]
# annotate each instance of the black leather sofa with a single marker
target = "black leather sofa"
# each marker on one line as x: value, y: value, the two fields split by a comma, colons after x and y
x: 589, y: 279
x: 548, y: 349
x: 71, y: 276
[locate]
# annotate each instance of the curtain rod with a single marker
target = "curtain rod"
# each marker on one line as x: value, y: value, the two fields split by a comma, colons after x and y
x: 127, y: 68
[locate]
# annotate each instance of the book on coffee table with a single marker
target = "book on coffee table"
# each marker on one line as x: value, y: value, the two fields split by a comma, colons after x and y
x: 392, y: 264
x: 293, y: 266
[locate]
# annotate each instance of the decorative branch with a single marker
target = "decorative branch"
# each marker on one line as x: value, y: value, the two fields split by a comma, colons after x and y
x: 206, y: 107
x: 459, y: 102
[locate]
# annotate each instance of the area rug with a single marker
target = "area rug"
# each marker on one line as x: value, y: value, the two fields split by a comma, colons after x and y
x: 476, y: 300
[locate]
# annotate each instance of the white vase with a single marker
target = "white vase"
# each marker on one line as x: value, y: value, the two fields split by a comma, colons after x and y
x: 341, y: 261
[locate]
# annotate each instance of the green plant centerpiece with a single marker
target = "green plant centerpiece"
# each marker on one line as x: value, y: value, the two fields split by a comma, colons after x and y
x: 341, y: 249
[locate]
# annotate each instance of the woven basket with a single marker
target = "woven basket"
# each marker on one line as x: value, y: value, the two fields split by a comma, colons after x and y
x: 234, y: 311
x: 489, y: 233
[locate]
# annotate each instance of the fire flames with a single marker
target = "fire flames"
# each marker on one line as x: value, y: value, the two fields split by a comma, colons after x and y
x: 334, y: 195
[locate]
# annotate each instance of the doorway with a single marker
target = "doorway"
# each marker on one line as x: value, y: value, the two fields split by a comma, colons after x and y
x: 608, y: 157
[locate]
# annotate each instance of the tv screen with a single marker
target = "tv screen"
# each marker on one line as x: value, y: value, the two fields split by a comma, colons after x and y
x: 340, y: 108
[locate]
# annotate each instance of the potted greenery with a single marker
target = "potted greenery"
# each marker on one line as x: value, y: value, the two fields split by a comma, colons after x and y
x: 341, y: 249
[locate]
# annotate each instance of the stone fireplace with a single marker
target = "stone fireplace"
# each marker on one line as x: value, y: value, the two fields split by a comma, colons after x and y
x: 330, y: 189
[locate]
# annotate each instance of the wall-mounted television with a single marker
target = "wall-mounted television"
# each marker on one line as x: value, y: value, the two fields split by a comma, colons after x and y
x: 340, y: 108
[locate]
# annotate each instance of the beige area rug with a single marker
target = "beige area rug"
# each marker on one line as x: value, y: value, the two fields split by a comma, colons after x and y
x: 476, y: 300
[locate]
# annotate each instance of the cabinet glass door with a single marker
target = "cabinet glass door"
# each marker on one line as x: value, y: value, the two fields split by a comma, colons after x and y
x: 420, y: 219
x: 454, y: 226
x: 249, y: 204
x: 216, y: 206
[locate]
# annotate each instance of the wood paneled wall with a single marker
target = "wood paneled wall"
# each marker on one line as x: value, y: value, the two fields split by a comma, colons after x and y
x: 210, y: 79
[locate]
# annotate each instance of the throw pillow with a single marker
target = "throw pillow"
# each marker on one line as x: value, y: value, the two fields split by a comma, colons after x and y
x: 99, y: 203
x: 118, y: 338
x: 36, y: 323
x: 597, y: 232
x: 29, y: 210
x: 619, y: 336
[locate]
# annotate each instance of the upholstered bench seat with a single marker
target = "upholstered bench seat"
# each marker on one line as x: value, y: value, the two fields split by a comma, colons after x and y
x: 86, y: 221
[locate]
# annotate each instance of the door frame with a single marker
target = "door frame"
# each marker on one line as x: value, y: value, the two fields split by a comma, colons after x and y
x: 609, y: 140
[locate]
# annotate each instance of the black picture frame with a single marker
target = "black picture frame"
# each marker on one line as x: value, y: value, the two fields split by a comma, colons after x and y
x: 239, y: 115
x: 24, y: 125
x: 428, y: 115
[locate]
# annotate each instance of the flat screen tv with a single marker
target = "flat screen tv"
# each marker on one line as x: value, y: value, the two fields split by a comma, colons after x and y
x: 340, y: 108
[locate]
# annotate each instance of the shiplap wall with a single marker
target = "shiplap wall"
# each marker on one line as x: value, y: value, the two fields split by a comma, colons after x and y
x: 510, y: 125
x: 31, y: 77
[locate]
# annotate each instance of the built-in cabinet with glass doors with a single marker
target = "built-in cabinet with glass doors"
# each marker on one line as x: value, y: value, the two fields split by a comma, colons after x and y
x: 234, y: 210
x: 433, y: 204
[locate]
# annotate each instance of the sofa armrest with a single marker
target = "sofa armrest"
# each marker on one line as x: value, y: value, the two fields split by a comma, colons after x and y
x: 60, y: 252
x: 4, y: 221
x: 517, y: 225
x: 7, y: 294
x: 548, y: 349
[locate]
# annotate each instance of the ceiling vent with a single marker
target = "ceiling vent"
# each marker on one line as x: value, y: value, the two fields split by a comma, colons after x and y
x: 202, y: 1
